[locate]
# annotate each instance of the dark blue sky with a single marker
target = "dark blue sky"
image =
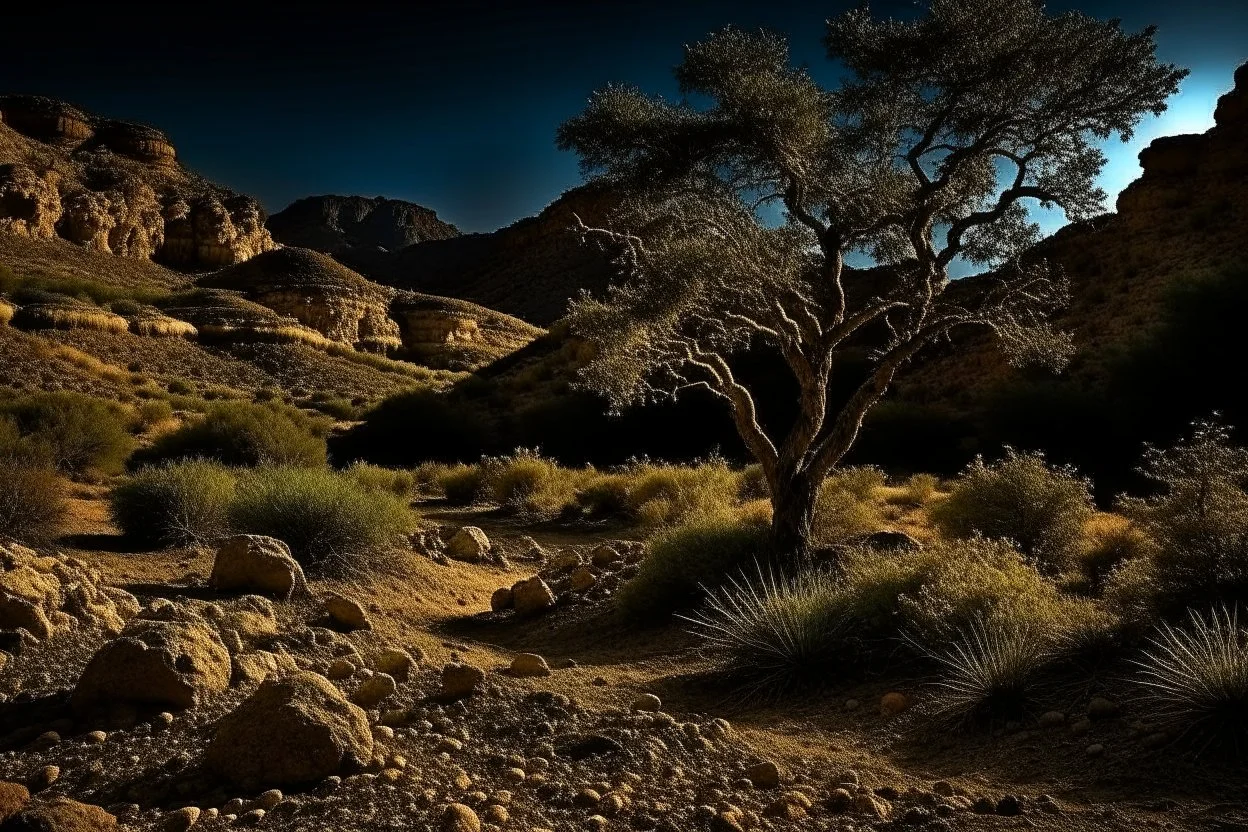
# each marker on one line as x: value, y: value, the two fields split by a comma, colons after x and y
x: 454, y: 104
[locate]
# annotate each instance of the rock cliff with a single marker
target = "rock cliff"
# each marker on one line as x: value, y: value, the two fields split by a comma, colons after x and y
x: 336, y: 224
x: 116, y: 187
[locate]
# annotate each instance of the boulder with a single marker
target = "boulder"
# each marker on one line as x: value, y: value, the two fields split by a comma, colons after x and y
x: 529, y: 664
x: 158, y: 663
x: 502, y: 599
x: 254, y: 668
x: 346, y: 613
x: 469, y: 544
x: 532, y: 596
x: 61, y: 815
x: 460, y: 680
x: 254, y: 563
x: 292, y: 730
x: 13, y: 798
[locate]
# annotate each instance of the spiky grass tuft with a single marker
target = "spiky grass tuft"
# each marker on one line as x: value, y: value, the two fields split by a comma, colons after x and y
x: 775, y: 629
x: 990, y: 672
x: 1195, y: 681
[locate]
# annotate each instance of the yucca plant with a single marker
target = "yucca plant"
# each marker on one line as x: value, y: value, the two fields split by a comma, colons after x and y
x: 1195, y: 681
x: 989, y: 671
x: 776, y: 629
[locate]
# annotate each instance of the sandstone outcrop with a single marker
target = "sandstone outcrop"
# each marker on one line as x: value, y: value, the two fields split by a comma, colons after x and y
x: 46, y: 594
x: 334, y: 224
x: 117, y: 187
x: 292, y: 730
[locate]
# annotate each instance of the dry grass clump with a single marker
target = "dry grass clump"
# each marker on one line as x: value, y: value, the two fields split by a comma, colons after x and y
x: 1041, y: 508
x: 1195, y: 681
x: 332, y: 524
x: 72, y: 432
x: 33, y: 502
x: 42, y: 310
x: 242, y: 433
x: 918, y: 490
x: 666, y: 495
x: 682, y: 560
x: 175, y: 504
x: 7, y: 311
x: 861, y: 481
x: 844, y: 510
x: 530, y: 485
x: 1109, y: 540
x: 394, y: 481
x: 989, y: 671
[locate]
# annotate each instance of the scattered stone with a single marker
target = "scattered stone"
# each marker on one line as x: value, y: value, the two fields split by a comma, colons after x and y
x: 604, y: 556
x: 469, y: 544
x: 1052, y: 719
x: 943, y: 788
x: 163, y: 663
x: 586, y: 799
x: 917, y: 815
x: 346, y: 613
x: 181, y: 820
x: 764, y: 775
x: 591, y: 745
x: 396, y: 662
x: 891, y: 704
x: 95, y: 737
x: 532, y: 596
x: 1010, y: 805
x: 340, y: 669
x: 254, y: 563
x: 296, y: 729
x: 840, y: 801
x: 376, y: 688
x: 1095, y: 750
x: 457, y: 817
x: 582, y: 579
x: 502, y: 599
x: 872, y: 805
x: 647, y: 702
x: 44, y: 777
x: 1101, y: 708
x: 984, y: 806
x: 1081, y: 727
x: 253, y: 668
x: 460, y: 680
x: 529, y: 664
x: 13, y: 799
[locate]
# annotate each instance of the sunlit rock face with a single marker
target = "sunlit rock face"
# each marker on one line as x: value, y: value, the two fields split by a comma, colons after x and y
x: 115, y: 186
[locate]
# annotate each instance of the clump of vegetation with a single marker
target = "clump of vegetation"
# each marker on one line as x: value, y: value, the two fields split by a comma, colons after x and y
x: 33, y: 502
x: 74, y: 433
x: 776, y: 629
x: 668, y: 495
x: 531, y: 485
x: 394, y: 481
x: 153, y: 412
x: 1195, y: 680
x: 179, y: 503
x: 844, y: 509
x: 1041, y: 508
x: 918, y: 490
x: 332, y: 524
x: 684, y: 559
x: 1110, y: 540
x: 242, y: 433
x: 989, y: 671
x: 1200, y: 520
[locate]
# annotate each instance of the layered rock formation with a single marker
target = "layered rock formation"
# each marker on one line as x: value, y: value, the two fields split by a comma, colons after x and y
x: 336, y: 224
x: 116, y: 187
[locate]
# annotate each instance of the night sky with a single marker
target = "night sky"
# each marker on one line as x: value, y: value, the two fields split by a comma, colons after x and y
x: 454, y: 105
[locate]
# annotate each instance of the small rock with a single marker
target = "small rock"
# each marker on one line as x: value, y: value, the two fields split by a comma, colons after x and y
x: 916, y: 815
x: 377, y: 687
x: 269, y: 799
x: 460, y: 680
x: 45, y: 777
x: 586, y: 799
x: 604, y: 556
x: 866, y: 803
x: 1052, y: 719
x: 840, y: 801
x: 582, y: 579
x: 13, y: 798
x: 340, y: 669
x: 647, y: 702
x: 346, y: 613
x: 1095, y: 750
x: 96, y: 737
x: 394, y: 661
x: 1101, y: 708
x: 893, y: 703
x: 254, y: 563
x: 529, y: 664
x: 1010, y: 805
x: 460, y: 818
x: 502, y: 599
x: 764, y: 775
x: 469, y: 544
x: 532, y: 596
x: 1081, y: 727
x: 181, y: 820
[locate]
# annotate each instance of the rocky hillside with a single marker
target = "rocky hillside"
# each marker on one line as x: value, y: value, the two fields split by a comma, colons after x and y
x: 116, y: 187
x: 338, y: 224
x: 529, y: 269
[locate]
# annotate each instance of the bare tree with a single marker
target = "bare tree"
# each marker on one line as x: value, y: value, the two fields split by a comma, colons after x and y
x: 742, y: 202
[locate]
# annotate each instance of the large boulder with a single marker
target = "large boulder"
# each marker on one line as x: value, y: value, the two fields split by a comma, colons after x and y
x: 295, y: 729
x: 61, y: 815
x: 254, y: 563
x: 469, y: 544
x: 173, y: 664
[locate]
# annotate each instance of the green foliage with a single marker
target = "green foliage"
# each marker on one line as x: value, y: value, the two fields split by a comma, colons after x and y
x: 332, y: 524
x: 1200, y: 520
x: 153, y: 412
x: 1041, y: 508
x: 33, y: 502
x: 75, y: 433
x: 842, y: 512
x: 777, y: 630
x: 398, y: 482
x: 180, y: 503
x: 241, y: 433
x: 660, y: 495
x: 684, y: 559
x: 84, y: 289
x: 918, y: 491
x: 989, y: 671
x: 530, y: 485
x: 1195, y: 681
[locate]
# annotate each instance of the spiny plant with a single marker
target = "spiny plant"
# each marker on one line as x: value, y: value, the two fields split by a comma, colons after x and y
x: 778, y: 629
x: 989, y: 671
x: 1195, y: 681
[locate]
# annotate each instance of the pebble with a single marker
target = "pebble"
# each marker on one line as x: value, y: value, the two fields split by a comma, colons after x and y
x: 1095, y: 750
x: 647, y: 702
x: 529, y: 665
x: 764, y: 775
x: 1101, y: 708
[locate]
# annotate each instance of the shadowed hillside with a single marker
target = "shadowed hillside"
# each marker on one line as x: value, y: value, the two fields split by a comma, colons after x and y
x: 341, y: 224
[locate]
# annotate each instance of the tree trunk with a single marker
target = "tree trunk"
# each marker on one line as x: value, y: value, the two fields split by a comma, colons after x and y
x: 793, y: 517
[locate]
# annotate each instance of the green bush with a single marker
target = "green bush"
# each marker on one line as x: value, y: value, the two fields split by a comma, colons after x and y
x: 331, y: 523
x: 174, y: 504
x: 663, y: 495
x: 1040, y: 508
x: 918, y: 490
x: 684, y: 559
x: 531, y: 485
x: 398, y: 482
x: 843, y: 513
x: 33, y: 504
x: 75, y: 433
x: 1199, y: 522
x: 242, y: 433
x: 462, y: 484
x: 154, y: 412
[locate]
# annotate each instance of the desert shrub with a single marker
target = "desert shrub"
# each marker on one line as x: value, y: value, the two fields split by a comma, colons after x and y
x: 989, y: 671
x: 242, y: 433
x: 841, y: 513
x: 673, y: 494
x: 461, y: 484
x: 332, y: 524
x: 1200, y: 519
x: 180, y: 387
x: 1195, y: 681
x: 175, y: 504
x: 530, y: 485
x: 755, y: 512
x: 1109, y: 540
x: 684, y: 559
x: 338, y: 408
x: 33, y: 502
x: 775, y: 629
x: 754, y: 483
x: 153, y: 412
x: 917, y: 490
x: 398, y: 482
x: 605, y: 495
x: 862, y: 481
x: 1022, y: 498
x: 75, y: 433
x: 874, y: 583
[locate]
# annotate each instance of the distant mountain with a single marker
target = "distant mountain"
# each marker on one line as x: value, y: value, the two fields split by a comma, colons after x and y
x: 338, y: 224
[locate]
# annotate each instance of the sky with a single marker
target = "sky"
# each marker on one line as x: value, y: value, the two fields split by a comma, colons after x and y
x: 454, y: 105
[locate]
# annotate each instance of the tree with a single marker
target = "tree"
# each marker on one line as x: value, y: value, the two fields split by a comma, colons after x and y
x: 944, y: 130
